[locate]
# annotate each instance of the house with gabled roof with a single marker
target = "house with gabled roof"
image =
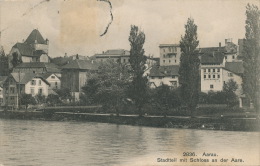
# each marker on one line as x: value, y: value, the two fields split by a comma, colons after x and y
x: 19, y: 83
x: 33, y: 49
x: 74, y: 75
x: 167, y: 75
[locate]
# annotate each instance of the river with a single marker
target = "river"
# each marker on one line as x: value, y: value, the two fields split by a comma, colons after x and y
x: 38, y: 143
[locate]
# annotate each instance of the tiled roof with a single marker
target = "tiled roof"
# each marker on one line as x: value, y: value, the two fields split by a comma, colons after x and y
x: 61, y: 61
x: 212, y: 58
x: 35, y: 35
x: 235, y: 67
x: 172, y: 70
x: 24, y: 49
x: 24, y: 78
x: 210, y: 49
x: 81, y: 65
x: 117, y: 52
x: 50, y: 67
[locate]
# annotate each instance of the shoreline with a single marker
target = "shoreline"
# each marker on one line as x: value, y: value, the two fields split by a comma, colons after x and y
x: 184, y: 122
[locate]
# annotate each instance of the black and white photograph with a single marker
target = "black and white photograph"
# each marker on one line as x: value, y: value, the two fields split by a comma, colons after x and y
x: 129, y: 82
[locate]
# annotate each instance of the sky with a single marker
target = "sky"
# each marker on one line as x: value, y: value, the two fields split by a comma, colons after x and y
x: 75, y: 26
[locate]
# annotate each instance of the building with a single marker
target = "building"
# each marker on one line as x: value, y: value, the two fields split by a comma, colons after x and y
x: 170, y: 54
x: 116, y: 55
x: 216, y: 72
x: 53, y: 79
x: 167, y: 75
x: 2, y: 80
x: 122, y: 56
x: 74, y: 75
x: 33, y: 49
x: 38, y: 68
x: 19, y: 83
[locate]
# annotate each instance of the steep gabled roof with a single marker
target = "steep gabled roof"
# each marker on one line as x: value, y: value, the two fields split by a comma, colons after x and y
x: 24, y: 49
x: 212, y: 58
x: 81, y: 65
x: 235, y: 67
x: 24, y: 78
x: 35, y: 35
x: 50, y: 67
x: 172, y: 70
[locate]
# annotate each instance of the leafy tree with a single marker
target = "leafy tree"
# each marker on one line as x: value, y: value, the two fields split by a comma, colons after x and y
x: 16, y: 60
x: 251, y: 53
x: 53, y: 99
x: 166, y: 98
x: 230, y: 96
x: 189, y: 66
x: 27, y: 99
x: 138, y: 89
x: 40, y: 99
x: 108, y: 86
x: 3, y: 65
x: 64, y: 93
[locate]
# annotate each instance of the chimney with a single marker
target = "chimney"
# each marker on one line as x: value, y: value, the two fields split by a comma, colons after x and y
x: 219, y: 44
x: 47, y: 41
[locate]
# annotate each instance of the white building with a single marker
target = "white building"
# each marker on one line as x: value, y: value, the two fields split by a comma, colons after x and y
x: 167, y: 75
x: 169, y: 54
x: 53, y: 79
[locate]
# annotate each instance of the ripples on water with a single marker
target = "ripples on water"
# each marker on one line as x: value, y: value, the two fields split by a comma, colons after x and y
x: 76, y: 143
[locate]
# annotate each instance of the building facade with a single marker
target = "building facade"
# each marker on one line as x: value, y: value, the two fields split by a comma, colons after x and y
x: 169, y: 54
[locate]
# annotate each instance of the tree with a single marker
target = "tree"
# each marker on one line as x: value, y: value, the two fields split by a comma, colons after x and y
x: 3, y: 65
x: 189, y: 66
x: 16, y: 60
x: 108, y: 86
x: 64, y: 94
x: 138, y: 89
x: 251, y: 53
x: 53, y: 99
x: 27, y: 99
x: 229, y: 89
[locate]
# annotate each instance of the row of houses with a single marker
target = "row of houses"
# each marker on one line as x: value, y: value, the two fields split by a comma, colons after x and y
x: 39, y: 74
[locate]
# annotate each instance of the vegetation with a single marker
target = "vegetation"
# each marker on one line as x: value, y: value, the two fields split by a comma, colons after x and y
x: 52, y: 100
x: 189, y: 66
x: 251, y: 53
x: 16, y: 60
x: 3, y: 65
x: 27, y: 99
x: 108, y: 87
x: 138, y: 88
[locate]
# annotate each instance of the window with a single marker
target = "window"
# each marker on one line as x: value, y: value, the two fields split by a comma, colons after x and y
x: 53, y: 77
x: 233, y: 57
x: 213, y: 70
x: 12, y: 90
x: 163, y: 50
x: 218, y: 70
x: 230, y: 74
x: 169, y: 61
x: 152, y: 77
x: 225, y: 57
x: 175, y: 60
x: 169, y: 49
x: 40, y: 82
x: 211, y: 86
x: 163, y: 61
x: 33, y: 82
x: 173, y: 76
x: 209, y: 76
x: 205, y: 76
x: 164, y: 55
x: 213, y: 76
x: 40, y: 91
x: 124, y: 60
x: 218, y: 76
x: 204, y: 70
x: 32, y: 91
x: 208, y: 70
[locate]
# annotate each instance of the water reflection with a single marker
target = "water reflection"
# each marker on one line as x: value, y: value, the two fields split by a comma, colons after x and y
x: 76, y: 143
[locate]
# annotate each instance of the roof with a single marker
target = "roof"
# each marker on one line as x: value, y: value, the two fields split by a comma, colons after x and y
x: 24, y: 49
x: 35, y: 35
x: 81, y: 65
x: 117, y: 52
x: 24, y: 78
x: 212, y: 58
x: 210, y: 49
x: 60, y: 61
x: 172, y: 70
x: 169, y: 45
x: 50, y: 67
x: 2, y: 80
x: 47, y: 75
x: 235, y: 67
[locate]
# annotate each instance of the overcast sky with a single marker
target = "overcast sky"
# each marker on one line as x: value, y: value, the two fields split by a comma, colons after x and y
x: 74, y: 26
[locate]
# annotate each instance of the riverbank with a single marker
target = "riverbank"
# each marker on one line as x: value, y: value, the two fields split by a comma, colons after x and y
x: 199, y: 122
